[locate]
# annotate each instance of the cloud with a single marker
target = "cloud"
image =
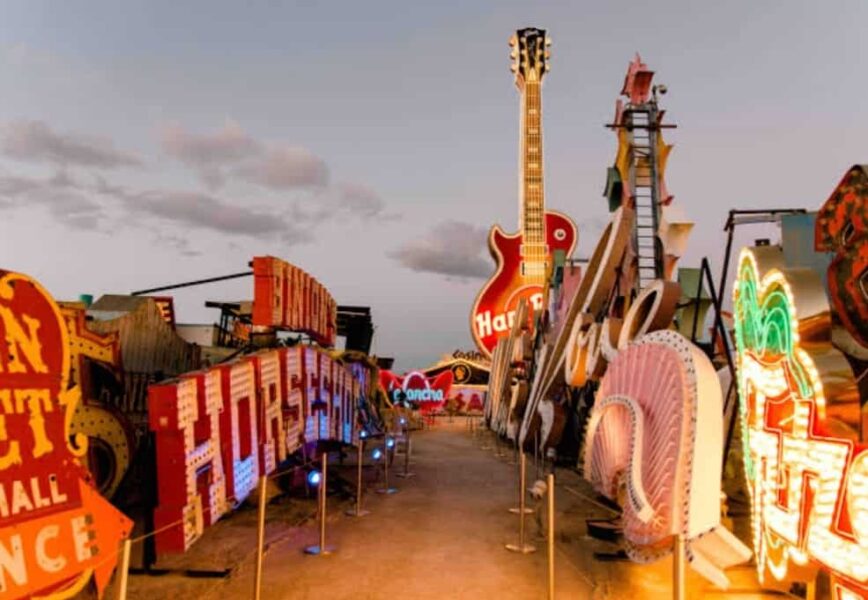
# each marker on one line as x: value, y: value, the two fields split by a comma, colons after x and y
x: 359, y: 200
x: 451, y: 248
x: 202, y: 211
x: 179, y: 243
x: 209, y: 153
x: 64, y: 198
x: 35, y: 141
x: 229, y: 144
x: 77, y: 204
x: 231, y: 151
x: 285, y: 167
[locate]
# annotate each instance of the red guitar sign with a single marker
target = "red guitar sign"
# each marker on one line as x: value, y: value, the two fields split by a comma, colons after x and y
x: 523, y: 259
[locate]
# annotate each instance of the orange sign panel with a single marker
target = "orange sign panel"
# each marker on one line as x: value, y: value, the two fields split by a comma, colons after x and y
x: 286, y: 297
x: 56, y: 531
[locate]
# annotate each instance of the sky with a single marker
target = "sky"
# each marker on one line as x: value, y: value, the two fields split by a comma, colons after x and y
x: 374, y: 143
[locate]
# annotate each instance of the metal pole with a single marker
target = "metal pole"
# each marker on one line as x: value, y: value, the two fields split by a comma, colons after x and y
x: 358, y: 512
x: 125, y: 570
x: 322, y: 502
x: 522, y: 483
x: 678, y: 591
x: 175, y: 286
x: 260, y: 539
x: 386, y: 489
x: 550, y: 480
x: 536, y: 452
x: 322, y: 549
x: 406, y: 474
x: 521, y: 547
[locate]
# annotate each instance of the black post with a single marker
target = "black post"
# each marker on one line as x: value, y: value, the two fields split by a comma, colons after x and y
x: 730, y: 228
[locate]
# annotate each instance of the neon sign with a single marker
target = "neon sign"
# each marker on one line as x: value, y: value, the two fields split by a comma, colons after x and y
x: 218, y: 430
x: 659, y: 407
x: 428, y: 394
x: 286, y: 297
x: 523, y: 259
x: 806, y: 467
x: 56, y: 531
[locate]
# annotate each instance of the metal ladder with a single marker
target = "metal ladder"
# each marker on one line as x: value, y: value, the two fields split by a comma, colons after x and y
x: 641, y: 122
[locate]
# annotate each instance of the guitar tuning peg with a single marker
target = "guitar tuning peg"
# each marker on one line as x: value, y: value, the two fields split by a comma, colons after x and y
x: 548, y: 67
x: 512, y: 41
x: 513, y: 67
x: 513, y: 54
x: 548, y: 41
x: 548, y: 54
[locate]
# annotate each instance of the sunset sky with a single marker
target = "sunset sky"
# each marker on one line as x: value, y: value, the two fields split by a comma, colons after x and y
x: 374, y: 143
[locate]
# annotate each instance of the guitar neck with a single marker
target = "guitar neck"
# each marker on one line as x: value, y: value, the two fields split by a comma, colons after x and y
x: 532, y: 197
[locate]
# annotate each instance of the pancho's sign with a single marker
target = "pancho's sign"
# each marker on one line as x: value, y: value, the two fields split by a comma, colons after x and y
x: 286, y: 297
x: 426, y: 393
x: 56, y: 531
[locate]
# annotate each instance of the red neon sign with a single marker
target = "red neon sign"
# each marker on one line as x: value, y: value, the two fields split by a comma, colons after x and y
x: 429, y: 394
x: 218, y: 430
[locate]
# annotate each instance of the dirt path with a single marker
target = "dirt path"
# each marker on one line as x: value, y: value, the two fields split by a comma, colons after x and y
x: 441, y: 536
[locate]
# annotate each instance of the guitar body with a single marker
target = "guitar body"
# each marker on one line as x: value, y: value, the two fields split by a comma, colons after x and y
x: 496, y: 303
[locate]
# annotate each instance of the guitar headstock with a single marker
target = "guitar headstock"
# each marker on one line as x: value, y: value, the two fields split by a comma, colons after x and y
x: 529, y: 55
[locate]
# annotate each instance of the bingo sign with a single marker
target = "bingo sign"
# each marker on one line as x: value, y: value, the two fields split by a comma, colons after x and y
x: 420, y: 391
x: 285, y: 297
x: 56, y: 531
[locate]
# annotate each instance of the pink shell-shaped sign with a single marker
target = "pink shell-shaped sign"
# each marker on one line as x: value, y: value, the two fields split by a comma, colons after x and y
x: 655, y: 397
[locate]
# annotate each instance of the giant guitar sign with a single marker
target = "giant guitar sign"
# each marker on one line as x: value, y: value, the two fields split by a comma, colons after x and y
x: 523, y: 258
x: 56, y: 531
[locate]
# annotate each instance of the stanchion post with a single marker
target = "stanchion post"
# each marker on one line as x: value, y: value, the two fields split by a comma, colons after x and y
x: 124, y: 570
x: 260, y: 539
x: 678, y: 559
x: 360, y: 458
x: 406, y: 474
x: 322, y: 549
x: 521, y: 547
x: 522, y: 487
x: 387, y: 489
x: 536, y: 453
x: 550, y: 480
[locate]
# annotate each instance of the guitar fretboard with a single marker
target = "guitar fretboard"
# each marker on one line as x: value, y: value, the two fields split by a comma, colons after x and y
x: 532, y: 200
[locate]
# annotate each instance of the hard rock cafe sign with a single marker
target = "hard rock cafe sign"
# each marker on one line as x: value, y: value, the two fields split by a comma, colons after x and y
x: 523, y: 259
x: 806, y: 463
x: 56, y: 531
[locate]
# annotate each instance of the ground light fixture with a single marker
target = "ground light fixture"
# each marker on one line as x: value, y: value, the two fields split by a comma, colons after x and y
x: 314, y: 478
